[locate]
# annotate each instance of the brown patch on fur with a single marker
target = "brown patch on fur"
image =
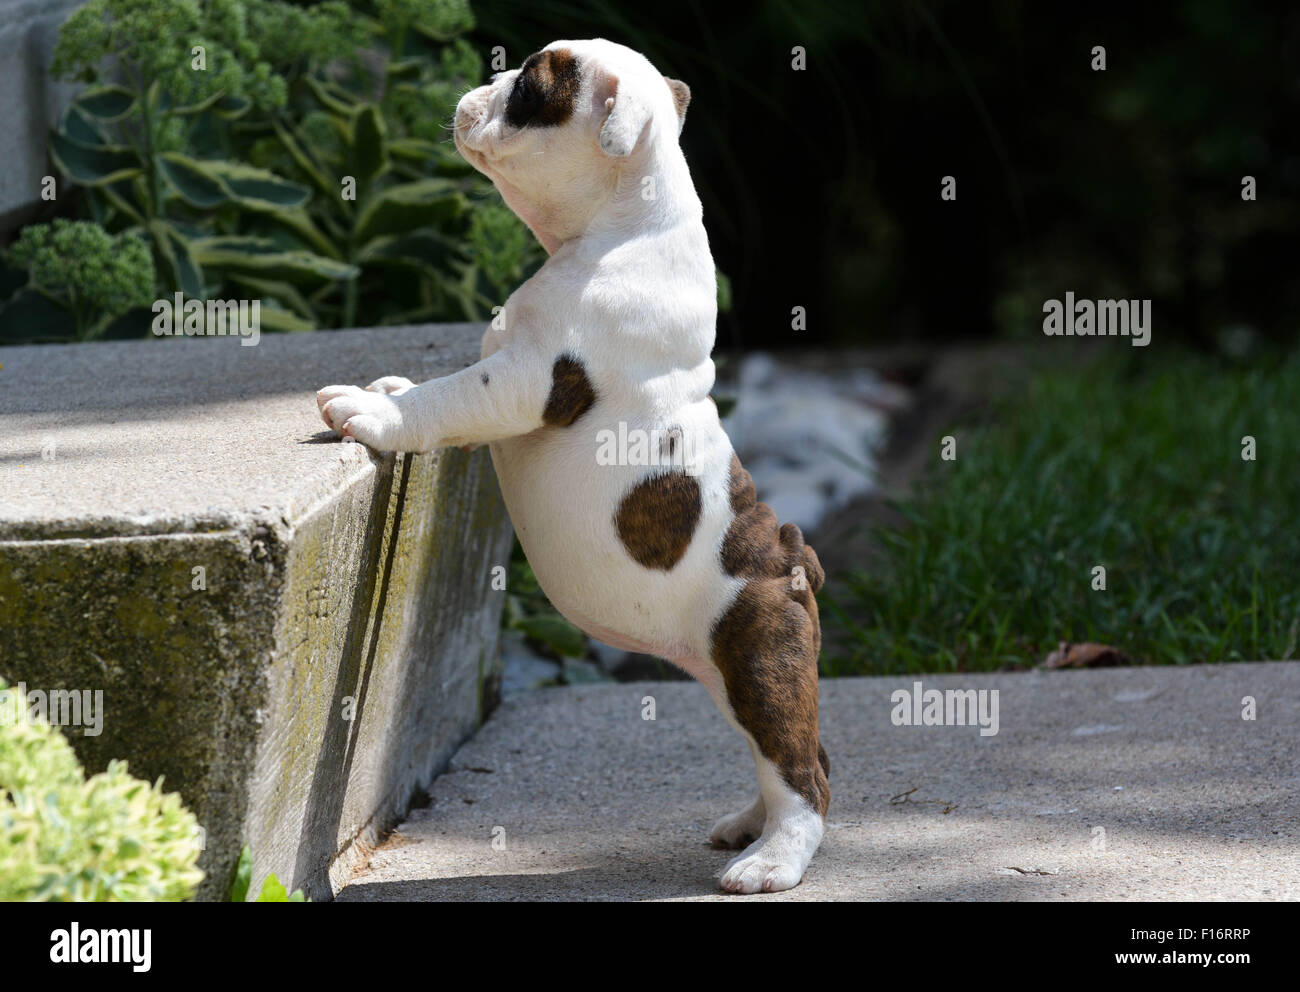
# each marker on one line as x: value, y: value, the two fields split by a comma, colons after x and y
x: 545, y: 90
x: 657, y: 519
x: 767, y: 644
x: 571, y: 393
x: 681, y: 97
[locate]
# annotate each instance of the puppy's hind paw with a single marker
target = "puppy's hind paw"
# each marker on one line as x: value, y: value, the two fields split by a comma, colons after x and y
x: 760, y: 872
x: 776, y: 861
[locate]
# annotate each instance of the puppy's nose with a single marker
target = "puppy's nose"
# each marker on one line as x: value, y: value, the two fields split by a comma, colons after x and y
x: 464, y: 120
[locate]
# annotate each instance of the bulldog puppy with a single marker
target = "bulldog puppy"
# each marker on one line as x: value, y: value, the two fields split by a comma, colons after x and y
x: 661, y: 549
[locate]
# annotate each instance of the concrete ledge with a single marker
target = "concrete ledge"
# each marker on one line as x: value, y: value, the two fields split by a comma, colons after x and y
x: 332, y: 658
x: 1116, y: 784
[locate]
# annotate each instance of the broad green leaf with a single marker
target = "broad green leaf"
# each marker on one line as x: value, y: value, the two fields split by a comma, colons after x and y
x: 556, y: 633
x: 92, y: 165
x: 332, y: 98
x: 264, y: 259
x: 300, y: 223
x: 178, y: 255
x: 243, y: 875
x: 259, y: 189
x: 192, y: 183
x: 305, y: 161
x: 209, y: 183
x: 445, y: 160
x: 125, y: 197
x: 413, y: 148
x: 81, y: 127
x: 285, y: 321
x: 106, y: 103
x: 369, y: 157
x: 287, y: 294
x: 425, y: 247
x: 273, y: 890
x: 408, y: 207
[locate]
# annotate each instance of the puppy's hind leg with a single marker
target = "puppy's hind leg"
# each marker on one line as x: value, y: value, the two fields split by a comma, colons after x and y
x: 766, y: 648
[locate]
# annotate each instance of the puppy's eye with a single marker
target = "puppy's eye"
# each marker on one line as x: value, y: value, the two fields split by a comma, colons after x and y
x: 524, y: 102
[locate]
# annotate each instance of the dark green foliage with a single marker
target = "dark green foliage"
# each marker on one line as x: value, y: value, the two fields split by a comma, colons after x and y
x: 293, y: 154
x: 90, y: 275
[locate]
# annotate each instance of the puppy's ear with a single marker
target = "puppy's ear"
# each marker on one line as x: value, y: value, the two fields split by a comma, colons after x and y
x: 626, y: 118
x: 681, y: 98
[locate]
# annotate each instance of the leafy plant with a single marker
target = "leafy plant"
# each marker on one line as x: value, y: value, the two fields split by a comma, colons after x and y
x: 289, y: 153
x: 91, y: 275
x: 66, y: 838
x: 273, y: 889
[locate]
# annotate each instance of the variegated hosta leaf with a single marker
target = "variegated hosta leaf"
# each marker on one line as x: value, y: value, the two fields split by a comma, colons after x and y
x: 92, y: 165
x: 369, y: 156
x: 106, y: 103
x: 209, y: 183
x: 265, y: 259
x: 177, y: 253
x: 408, y: 207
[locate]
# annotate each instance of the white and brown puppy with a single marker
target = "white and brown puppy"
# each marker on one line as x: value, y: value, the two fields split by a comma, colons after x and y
x: 612, y: 337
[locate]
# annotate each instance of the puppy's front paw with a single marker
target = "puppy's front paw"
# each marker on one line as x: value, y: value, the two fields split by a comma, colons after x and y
x: 372, y: 418
x: 391, y: 385
x: 739, y: 829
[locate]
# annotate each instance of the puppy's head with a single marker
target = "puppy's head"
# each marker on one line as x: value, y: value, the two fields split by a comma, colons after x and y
x: 555, y: 133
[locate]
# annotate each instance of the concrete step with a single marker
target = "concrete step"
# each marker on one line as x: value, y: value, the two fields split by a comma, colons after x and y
x: 1117, y: 784
x: 290, y: 630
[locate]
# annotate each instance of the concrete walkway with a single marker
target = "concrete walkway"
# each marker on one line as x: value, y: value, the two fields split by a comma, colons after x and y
x: 1141, y: 783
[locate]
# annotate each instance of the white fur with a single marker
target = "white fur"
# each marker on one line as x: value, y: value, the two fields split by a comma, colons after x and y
x: 629, y: 288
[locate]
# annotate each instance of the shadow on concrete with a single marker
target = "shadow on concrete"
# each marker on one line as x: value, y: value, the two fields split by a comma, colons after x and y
x: 316, y: 846
x: 576, y: 884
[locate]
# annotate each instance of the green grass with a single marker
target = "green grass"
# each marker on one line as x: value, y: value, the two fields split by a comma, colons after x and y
x: 1134, y: 463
